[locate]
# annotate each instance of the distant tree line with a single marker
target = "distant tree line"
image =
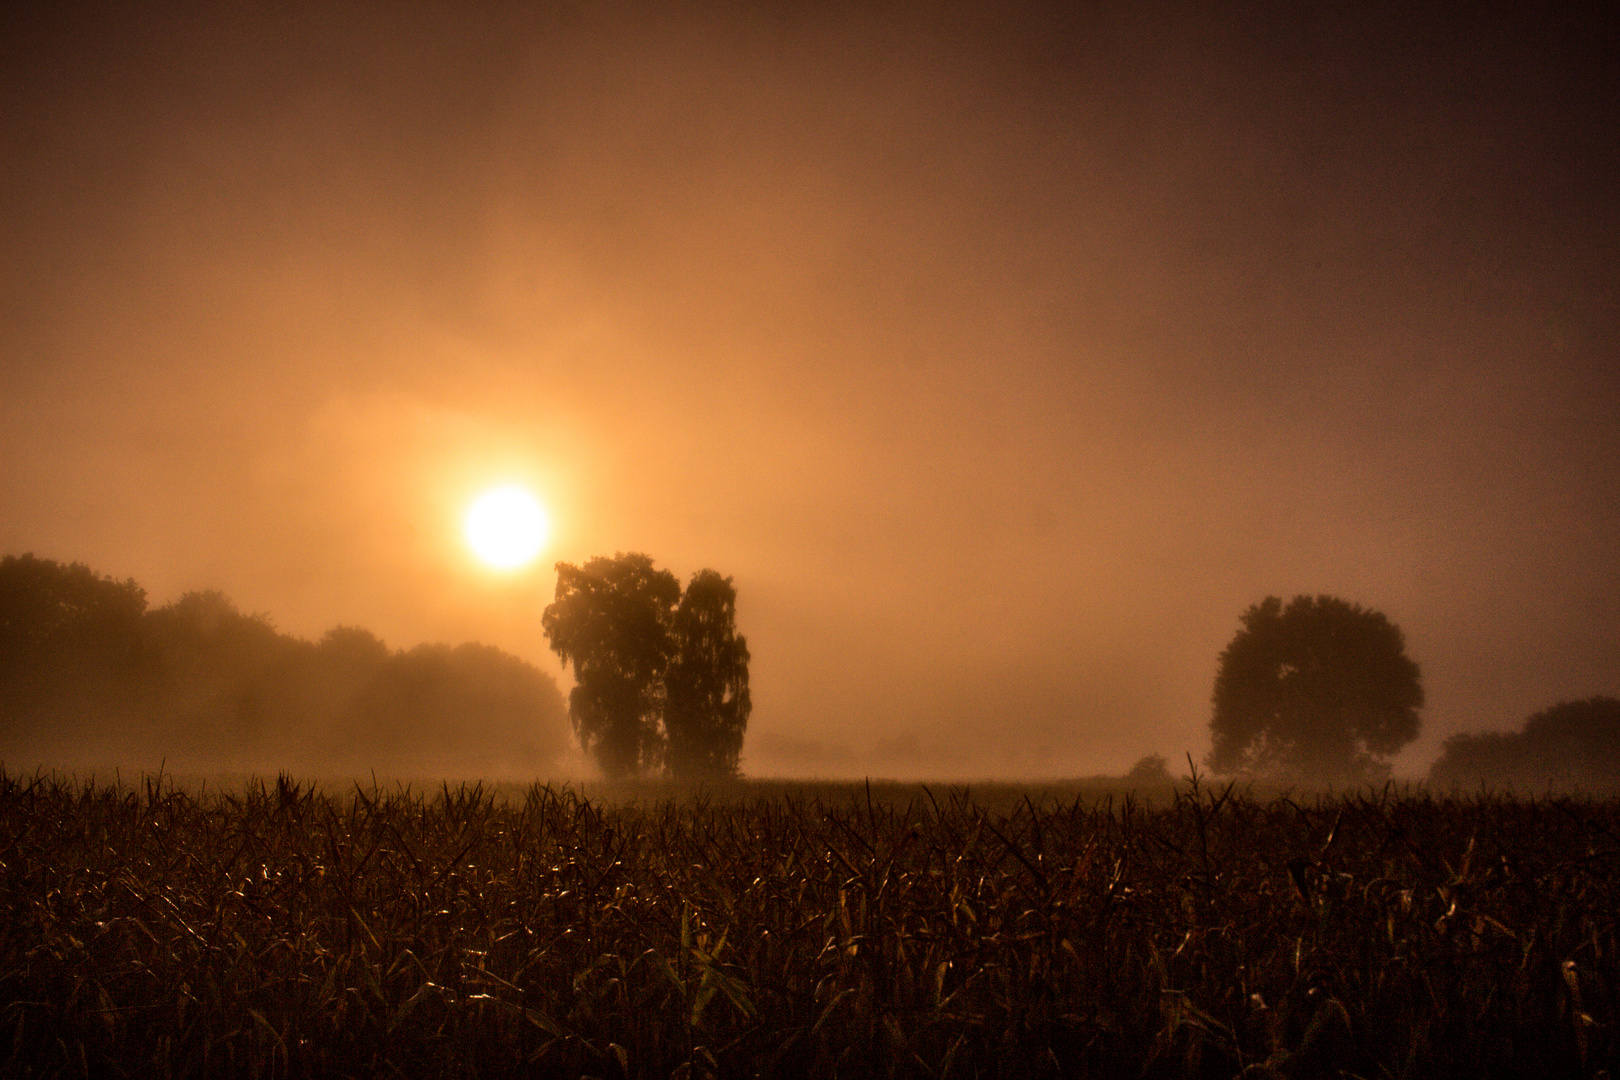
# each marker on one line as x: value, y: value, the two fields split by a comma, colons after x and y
x: 89, y: 674
x: 1314, y: 691
x: 661, y: 674
x: 1574, y: 745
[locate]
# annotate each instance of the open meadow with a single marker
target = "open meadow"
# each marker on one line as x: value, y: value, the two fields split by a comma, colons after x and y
x: 802, y: 931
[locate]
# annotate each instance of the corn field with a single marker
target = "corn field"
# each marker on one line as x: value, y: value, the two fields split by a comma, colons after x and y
x: 287, y: 931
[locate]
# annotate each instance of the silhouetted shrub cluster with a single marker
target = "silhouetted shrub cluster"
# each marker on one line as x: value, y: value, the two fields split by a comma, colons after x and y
x: 1575, y: 745
x: 89, y: 675
x: 288, y: 933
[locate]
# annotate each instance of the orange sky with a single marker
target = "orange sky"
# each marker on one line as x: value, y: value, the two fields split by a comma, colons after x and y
x: 1002, y: 360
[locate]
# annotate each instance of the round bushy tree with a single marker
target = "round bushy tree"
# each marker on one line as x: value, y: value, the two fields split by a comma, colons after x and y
x: 1319, y: 691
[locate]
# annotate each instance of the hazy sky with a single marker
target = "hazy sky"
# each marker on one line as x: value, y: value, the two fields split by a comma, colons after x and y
x: 1003, y: 355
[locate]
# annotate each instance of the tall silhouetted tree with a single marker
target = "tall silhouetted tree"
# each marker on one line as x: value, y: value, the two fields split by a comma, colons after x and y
x: 611, y: 619
x: 1319, y: 691
x: 707, y: 706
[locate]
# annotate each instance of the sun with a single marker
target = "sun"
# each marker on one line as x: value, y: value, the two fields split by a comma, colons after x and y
x: 506, y: 527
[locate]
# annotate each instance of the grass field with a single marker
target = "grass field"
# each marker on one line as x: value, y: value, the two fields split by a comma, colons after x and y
x: 802, y: 931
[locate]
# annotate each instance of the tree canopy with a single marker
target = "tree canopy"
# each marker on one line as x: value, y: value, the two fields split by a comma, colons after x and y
x: 611, y: 620
x: 1318, y: 691
x: 661, y: 675
x: 71, y: 646
x: 707, y: 700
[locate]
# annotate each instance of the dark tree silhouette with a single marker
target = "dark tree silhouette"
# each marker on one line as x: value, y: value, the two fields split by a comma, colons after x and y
x: 661, y: 676
x: 229, y: 685
x: 1574, y: 744
x: 47, y: 609
x: 470, y: 704
x: 707, y: 706
x: 1319, y: 691
x: 71, y: 652
x: 1151, y: 771
x: 611, y: 619
x: 87, y: 674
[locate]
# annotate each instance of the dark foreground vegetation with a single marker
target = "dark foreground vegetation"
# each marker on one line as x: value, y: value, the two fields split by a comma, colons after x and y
x: 283, y: 932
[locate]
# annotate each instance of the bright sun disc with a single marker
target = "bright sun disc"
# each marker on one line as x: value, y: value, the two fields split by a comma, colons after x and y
x: 506, y: 527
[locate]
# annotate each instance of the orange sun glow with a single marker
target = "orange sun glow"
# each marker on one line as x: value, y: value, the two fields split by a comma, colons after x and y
x: 506, y: 527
